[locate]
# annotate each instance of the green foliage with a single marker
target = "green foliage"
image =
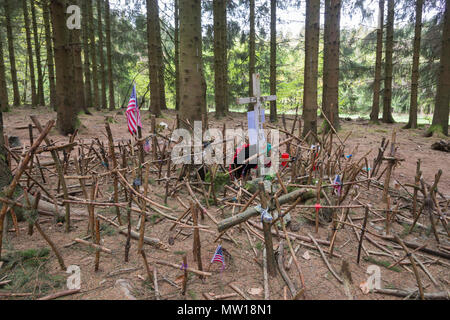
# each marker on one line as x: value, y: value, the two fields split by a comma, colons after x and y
x: 382, y: 263
x: 220, y: 179
x: 28, y: 272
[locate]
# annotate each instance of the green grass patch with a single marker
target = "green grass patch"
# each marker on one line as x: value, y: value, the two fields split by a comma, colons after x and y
x: 180, y: 253
x: 28, y: 272
x: 382, y: 263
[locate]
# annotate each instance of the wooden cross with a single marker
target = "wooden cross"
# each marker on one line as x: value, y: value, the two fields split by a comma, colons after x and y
x: 257, y: 100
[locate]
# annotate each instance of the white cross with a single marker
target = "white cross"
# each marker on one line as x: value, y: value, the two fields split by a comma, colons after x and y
x: 257, y: 100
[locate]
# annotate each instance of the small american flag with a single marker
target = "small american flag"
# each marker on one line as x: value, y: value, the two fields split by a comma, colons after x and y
x: 147, y: 145
x: 218, y: 256
x: 133, y: 115
x: 337, y: 184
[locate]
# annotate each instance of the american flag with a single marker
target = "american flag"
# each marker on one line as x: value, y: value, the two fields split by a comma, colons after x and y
x: 337, y: 184
x: 133, y: 115
x: 218, y: 256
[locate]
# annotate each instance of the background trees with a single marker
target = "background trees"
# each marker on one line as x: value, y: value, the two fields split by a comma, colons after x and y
x: 239, y: 37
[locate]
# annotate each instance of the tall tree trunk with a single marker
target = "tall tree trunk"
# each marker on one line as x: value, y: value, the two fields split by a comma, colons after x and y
x: 252, y: 53
x: 311, y: 66
x: 153, y: 61
x: 387, y: 99
x: 161, y: 81
x: 93, y: 50
x: 66, y: 120
x: 219, y: 63
x: 177, y: 55
x: 101, y: 54
x: 26, y: 18
x: 78, y: 94
x: 3, y: 89
x: 332, y: 73
x: 193, y: 86
x: 412, y: 122
x: 37, y: 49
x: 273, y: 59
x: 378, y: 61
x: 325, y: 67
x: 12, y: 57
x: 87, y: 65
x: 112, y: 103
x: 49, y: 48
x: 225, y: 55
x: 441, y: 108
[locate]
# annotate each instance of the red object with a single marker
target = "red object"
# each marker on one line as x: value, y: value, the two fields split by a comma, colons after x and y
x: 284, y: 156
x: 318, y: 206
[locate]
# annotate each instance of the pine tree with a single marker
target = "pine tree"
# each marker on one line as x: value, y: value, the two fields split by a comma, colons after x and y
x: 26, y: 19
x: 311, y: 66
x: 220, y: 57
x: 104, y: 103
x: 86, y: 56
x: 49, y: 49
x: 441, y: 108
x: 378, y: 60
x: 387, y: 99
x: 192, y: 86
x: 37, y: 50
x: 93, y: 51
x: 12, y: 57
x: 112, y: 103
x: 252, y: 53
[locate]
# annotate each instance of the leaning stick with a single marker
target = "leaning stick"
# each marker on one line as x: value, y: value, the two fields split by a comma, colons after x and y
x: 325, y: 260
x: 239, y: 291
x: 413, y: 264
x: 361, y: 237
x: 97, y: 242
x: 265, y: 276
x: 93, y: 245
x: 177, y: 266
x: 60, y: 294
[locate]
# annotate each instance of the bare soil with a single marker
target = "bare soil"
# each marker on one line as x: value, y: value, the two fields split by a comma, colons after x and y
x: 242, y: 267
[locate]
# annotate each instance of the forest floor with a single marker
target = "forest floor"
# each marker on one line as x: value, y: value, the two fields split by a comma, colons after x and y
x: 242, y: 267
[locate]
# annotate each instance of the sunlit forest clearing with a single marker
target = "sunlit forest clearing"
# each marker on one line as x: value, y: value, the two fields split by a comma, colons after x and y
x: 131, y: 167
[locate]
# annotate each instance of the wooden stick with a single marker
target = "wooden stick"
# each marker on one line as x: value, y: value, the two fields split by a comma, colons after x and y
x: 413, y: 264
x: 93, y: 245
x: 185, y: 278
x: 265, y: 276
x: 239, y: 291
x: 97, y: 242
x: 271, y: 264
x: 60, y: 294
x: 177, y: 266
x: 361, y: 237
x: 325, y: 260
x: 283, y: 272
x: 196, y: 244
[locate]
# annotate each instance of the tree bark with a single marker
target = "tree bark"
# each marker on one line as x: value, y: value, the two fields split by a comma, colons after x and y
x: 177, y: 55
x: 331, y: 75
x: 93, y: 51
x: 66, y: 115
x: 26, y: 18
x: 412, y: 122
x: 387, y: 99
x: 104, y: 103
x: 192, y: 81
x: 326, y: 43
x: 37, y: 49
x: 273, y: 59
x: 49, y: 48
x: 161, y: 81
x: 252, y: 54
x: 78, y: 98
x: 311, y: 66
x: 153, y: 60
x: 378, y: 60
x: 87, y: 66
x: 112, y: 103
x: 441, y: 108
x: 220, y: 56
x: 12, y: 57
x: 3, y: 89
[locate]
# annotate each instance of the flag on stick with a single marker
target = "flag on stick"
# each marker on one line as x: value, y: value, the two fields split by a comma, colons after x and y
x: 133, y: 115
x: 218, y: 256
